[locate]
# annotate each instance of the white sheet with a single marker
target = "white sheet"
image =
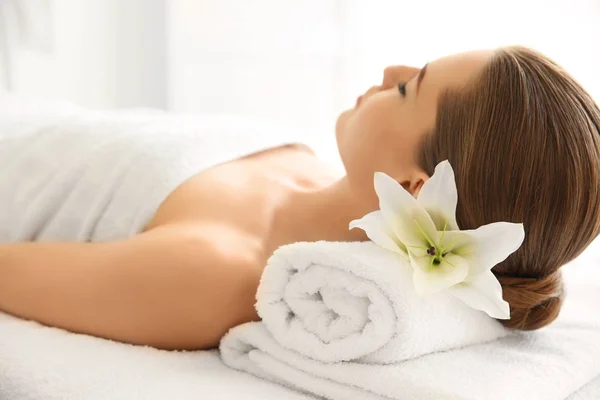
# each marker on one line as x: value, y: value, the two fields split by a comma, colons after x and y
x: 46, y: 363
x: 591, y: 391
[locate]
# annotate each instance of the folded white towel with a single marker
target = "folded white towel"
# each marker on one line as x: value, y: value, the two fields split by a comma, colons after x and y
x: 547, y: 364
x: 340, y: 301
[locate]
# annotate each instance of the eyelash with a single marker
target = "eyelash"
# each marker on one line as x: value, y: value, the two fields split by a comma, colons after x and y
x: 402, y: 88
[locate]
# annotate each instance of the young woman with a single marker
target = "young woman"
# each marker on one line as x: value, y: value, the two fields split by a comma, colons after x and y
x: 521, y: 135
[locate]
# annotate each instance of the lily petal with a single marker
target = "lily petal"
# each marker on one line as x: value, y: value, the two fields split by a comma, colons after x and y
x: 493, y: 243
x: 379, y: 232
x: 484, y: 293
x: 402, y: 212
x: 429, y: 279
x: 439, y: 197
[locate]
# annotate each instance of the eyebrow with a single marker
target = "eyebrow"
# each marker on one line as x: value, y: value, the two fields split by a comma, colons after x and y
x: 421, y: 76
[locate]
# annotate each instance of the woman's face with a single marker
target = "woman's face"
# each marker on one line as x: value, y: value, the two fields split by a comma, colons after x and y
x: 383, y: 131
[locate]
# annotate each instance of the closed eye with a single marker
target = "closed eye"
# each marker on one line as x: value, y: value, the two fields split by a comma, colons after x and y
x: 402, y: 88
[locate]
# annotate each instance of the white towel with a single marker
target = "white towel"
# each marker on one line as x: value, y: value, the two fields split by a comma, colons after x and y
x: 74, y: 174
x: 341, y: 301
x: 547, y: 364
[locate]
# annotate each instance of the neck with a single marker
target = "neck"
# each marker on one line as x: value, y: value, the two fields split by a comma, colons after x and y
x: 310, y: 215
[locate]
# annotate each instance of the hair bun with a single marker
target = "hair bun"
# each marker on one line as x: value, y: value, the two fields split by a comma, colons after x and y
x: 534, y: 302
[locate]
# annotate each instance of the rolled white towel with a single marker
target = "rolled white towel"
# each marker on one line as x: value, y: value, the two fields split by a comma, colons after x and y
x: 381, y: 319
x: 341, y: 301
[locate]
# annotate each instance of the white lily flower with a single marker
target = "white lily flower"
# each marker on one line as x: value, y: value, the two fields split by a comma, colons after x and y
x: 424, y: 230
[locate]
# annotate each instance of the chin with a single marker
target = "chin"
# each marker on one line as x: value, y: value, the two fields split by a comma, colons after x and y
x: 340, y: 124
x: 341, y: 135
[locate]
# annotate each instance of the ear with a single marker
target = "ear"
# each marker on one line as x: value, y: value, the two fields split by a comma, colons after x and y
x: 415, y: 183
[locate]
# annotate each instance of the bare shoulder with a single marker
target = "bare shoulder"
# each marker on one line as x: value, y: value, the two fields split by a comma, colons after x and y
x: 232, y: 206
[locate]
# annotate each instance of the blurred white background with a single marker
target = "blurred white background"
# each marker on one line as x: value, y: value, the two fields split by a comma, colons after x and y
x: 301, y: 62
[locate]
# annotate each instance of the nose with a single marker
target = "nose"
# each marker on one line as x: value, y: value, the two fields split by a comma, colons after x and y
x: 394, y: 74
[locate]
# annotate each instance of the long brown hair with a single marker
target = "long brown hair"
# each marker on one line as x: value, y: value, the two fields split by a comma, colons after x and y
x: 523, y: 140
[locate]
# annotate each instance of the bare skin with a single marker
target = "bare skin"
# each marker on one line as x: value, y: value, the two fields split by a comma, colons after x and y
x: 192, y: 273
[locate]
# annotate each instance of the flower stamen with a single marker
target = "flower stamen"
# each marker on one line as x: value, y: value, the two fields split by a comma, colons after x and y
x: 443, y: 233
x: 424, y: 234
x: 450, y: 245
x: 419, y: 247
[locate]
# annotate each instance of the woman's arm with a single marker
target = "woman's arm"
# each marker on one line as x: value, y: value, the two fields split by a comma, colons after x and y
x: 174, y: 287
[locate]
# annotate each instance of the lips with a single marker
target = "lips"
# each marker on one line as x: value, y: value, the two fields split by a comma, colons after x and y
x: 358, y: 99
